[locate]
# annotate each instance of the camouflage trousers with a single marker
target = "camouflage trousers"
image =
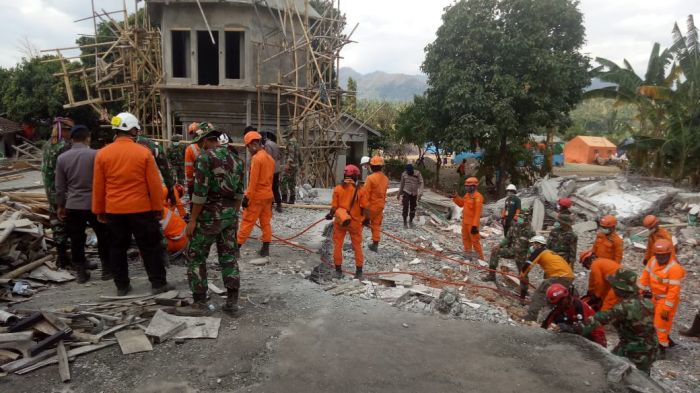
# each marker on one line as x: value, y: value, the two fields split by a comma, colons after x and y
x: 178, y: 174
x: 288, y: 187
x: 506, y: 252
x: 198, y: 252
x: 58, y: 227
x: 641, y: 354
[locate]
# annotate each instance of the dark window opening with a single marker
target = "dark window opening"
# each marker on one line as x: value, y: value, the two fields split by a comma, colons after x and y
x: 181, y: 54
x: 234, y: 54
x: 207, y: 58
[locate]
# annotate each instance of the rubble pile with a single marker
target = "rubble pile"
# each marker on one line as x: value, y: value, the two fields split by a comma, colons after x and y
x: 33, y: 339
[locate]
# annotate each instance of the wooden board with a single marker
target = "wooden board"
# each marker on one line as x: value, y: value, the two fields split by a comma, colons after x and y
x: 163, y: 327
x: 63, y: 367
x: 18, y: 336
x: 133, y: 341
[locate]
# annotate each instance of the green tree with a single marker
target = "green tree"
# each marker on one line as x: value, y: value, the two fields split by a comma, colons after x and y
x: 350, y: 104
x: 501, y: 69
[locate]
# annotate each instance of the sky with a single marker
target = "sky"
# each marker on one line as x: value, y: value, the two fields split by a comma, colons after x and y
x: 391, y: 34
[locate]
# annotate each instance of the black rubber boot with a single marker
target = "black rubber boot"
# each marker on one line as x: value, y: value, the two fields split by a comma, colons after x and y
x: 490, y: 276
x: 231, y: 305
x: 91, y: 265
x: 279, y: 208
x: 694, y: 330
x: 82, y: 274
x: 265, y: 250
x: 124, y: 291
x: 106, y: 271
x: 358, y: 273
x: 161, y: 289
x: 374, y: 246
x: 62, y: 259
x: 292, y: 199
x: 198, y: 308
x: 339, y: 272
x: 405, y: 223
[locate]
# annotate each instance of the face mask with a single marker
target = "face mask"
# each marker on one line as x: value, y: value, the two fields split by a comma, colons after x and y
x: 471, y: 189
x: 606, y: 231
x: 557, y: 224
x: 531, y: 249
x: 521, y: 221
x: 558, y: 206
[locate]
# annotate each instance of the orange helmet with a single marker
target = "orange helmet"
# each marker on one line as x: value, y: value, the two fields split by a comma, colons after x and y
x: 663, y: 246
x: 608, y: 221
x: 376, y: 161
x: 586, y: 257
x: 251, y: 136
x: 471, y: 181
x: 193, y: 128
x: 650, y: 221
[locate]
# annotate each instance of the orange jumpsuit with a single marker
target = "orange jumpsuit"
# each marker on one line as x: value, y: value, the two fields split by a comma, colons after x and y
x: 191, y: 154
x: 608, y: 246
x: 259, y: 194
x: 174, y: 230
x: 660, y: 233
x: 342, y: 199
x: 179, y: 208
x: 376, y: 186
x: 598, y: 283
x: 664, y: 282
x: 471, y: 216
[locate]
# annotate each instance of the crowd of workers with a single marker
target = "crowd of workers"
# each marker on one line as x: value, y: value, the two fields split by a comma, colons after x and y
x: 641, y: 309
x: 132, y: 188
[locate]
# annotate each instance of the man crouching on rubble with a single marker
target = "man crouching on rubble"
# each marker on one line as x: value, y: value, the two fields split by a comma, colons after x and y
x: 556, y: 271
x: 568, y: 311
x: 348, y: 210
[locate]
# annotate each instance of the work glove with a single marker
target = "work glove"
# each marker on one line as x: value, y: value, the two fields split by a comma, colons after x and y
x: 645, y: 261
x: 171, y: 196
x: 566, y: 328
x: 664, y: 315
x: 245, y: 202
x: 475, y: 230
x: 366, y: 222
x: 647, y: 294
x: 329, y: 216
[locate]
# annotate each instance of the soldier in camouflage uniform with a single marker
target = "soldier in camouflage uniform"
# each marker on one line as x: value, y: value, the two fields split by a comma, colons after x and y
x: 514, y: 245
x: 563, y: 240
x: 633, y: 318
x: 162, y: 163
x: 288, y: 182
x: 176, y: 159
x: 57, y: 145
x: 217, y: 196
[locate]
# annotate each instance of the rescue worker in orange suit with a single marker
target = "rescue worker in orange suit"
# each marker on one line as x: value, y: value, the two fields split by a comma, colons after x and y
x: 661, y: 281
x: 173, y: 223
x: 600, y: 295
x: 655, y: 233
x: 472, y: 202
x: 191, y: 153
x: 569, y: 311
x: 348, y: 210
x: 257, y: 200
x: 376, y: 187
x: 608, y: 244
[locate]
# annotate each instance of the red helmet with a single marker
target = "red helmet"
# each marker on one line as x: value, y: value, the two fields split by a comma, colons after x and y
x: 565, y: 202
x: 650, y: 221
x: 608, y: 221
x: 556, y: 292
x: 663, y: 246
x: 351, y: 171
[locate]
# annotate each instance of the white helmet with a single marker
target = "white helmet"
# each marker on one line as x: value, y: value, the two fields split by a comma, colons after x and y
x: 125, y: 121
x: 364, y: 160
x: 224, y: 139
x: 511, y: 187
x: 538, y: 239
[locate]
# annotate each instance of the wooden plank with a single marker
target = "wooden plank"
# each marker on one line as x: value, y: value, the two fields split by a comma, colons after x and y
x: 26, y: 268
x: 63, y: 367
x: 45, y: 327
x: 71, y: 354
x: 164, y: 326
x: 8, y: 355
x: 26, y: 362
x: 18, y: 336
x: 133, y: 341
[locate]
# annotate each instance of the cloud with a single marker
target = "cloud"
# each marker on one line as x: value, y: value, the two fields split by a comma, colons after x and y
x: 392, y: 34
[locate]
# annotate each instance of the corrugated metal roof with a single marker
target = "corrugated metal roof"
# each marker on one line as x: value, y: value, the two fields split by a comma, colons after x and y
x: 276, y: 4
x: 8, y: 126
x: 599, y: 141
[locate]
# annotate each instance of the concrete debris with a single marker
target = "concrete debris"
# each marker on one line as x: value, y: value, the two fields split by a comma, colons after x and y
x: 586, y: 226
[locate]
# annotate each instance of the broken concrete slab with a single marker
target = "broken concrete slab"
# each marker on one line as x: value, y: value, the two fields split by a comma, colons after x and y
x: 397, y: 279
x: 44, y: 273
x: 586, y: 226
x: 687, y: 198
x: 538, y: 213
x: 259, y: 261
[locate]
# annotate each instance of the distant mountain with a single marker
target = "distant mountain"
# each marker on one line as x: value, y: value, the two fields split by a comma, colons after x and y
x: 597, y: 84
x: 380, y: 85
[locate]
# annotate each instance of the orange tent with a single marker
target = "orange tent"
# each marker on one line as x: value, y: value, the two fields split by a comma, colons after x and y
x: 583, y: 149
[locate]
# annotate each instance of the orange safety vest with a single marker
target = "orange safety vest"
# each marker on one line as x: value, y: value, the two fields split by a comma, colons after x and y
x: 191, y: 154
x: 664, y: 282
x: 174, y: 230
